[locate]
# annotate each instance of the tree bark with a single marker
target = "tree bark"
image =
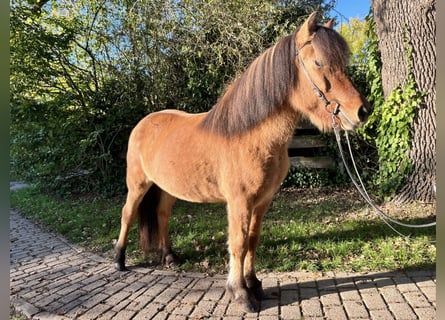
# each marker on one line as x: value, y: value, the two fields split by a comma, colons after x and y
x: 414, y: 21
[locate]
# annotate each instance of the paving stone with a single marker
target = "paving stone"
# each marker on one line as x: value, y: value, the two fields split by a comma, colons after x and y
x: 167, y: 295
x: 182, y: 308
x: 392, y: 295
x: 155, y: 289
x: 124, y: 315
x: 118, y: 297
x: 193, y: 296
x: 373, y: 301
x: 289, y: 297
x: 416, y: 299
x: 308, y: 293
x: 402, y: 311
x: 350, y: 295
x: 311, y: 308
x: 405, y: 284
x: 335, y: 312
x: 176, y: 317
x: 220, y: 309
x: 95, y: 312
x: 107, y: 315
x: 214, y: 293
x: 203, y: 310
x: 160, y: 316
x: 422, y: 282
x: 430, y: 293
x: 270, y: 307
x: 290, y: 312
x: 383, y: 314
x: 426, y: 313
x: 46, y: 300
x: 181, y: 283
x: 48, y: 316
x: 203, y: 284
x: 330, y: 299
x: 356, y: 309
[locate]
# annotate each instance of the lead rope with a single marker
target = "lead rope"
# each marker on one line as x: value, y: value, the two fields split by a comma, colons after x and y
x: 362, y: 190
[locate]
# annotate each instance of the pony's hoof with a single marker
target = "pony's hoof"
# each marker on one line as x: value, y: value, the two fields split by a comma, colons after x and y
x: 120, y: 266
x: 259, y: 294
x: 248, y: 305
x: 256, y: 288
x: 171, y: 260
x: 244, y: 299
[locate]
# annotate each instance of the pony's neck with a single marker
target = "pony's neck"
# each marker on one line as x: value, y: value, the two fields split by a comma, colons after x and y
x: 276, y: 130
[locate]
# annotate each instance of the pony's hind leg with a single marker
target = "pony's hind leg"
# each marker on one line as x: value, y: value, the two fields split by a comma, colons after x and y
x: 163, y: 211
x: 129, y: 214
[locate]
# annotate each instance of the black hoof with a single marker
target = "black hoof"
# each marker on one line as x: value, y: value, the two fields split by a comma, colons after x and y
x: 256, y: 288
x: 245, y: 300
x: 260, y: 294
x: 248, y: 305
x: 170, y: 260
x: 120, y: 266
x: 119, y: 259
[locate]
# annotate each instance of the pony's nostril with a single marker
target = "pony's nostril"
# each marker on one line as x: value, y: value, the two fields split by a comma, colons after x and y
x: 363, y: 112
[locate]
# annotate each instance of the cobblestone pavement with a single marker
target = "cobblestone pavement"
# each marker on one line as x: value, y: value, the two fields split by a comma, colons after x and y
x: 52, y: 279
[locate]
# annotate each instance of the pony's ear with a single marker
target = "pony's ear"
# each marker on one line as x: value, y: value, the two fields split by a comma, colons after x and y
x: 330, y: 23
x: 307, y: 30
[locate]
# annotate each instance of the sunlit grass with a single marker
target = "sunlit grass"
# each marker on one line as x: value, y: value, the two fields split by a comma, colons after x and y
x: 316, y: 230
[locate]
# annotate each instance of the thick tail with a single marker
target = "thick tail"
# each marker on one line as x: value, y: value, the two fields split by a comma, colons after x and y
x: 148, y: 219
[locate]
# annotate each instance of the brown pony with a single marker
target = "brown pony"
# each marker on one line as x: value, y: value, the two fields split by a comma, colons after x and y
x: 237, y: 152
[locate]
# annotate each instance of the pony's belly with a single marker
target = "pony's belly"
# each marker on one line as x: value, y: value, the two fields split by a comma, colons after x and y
x: 186, y: 179
x: 200, y: 198
x: 196, y: 192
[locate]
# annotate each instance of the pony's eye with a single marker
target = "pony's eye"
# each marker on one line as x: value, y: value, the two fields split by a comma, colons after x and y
x: 317, y: 63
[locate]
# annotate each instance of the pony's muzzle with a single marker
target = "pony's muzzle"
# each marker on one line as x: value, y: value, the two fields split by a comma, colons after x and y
x: 364, y: 111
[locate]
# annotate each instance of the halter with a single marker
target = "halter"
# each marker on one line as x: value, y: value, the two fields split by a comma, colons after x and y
x: 359, y: 186
x: 316, y: 90
x: 320, y: 94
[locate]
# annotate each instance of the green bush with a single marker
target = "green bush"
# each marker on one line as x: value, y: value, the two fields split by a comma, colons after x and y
x: 389, y: 126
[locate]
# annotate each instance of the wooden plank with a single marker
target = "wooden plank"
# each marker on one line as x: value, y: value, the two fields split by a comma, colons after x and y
x: 306, y: 141
x: 312, y: 162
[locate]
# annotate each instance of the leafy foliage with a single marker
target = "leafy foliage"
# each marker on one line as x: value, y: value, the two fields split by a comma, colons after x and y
x: 389, y: 126
x: 396, y: 118
x: 306, y: 178
x: 354, y: 32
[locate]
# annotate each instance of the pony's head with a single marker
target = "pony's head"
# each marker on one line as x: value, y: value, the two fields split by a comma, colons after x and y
x: 323, y: 88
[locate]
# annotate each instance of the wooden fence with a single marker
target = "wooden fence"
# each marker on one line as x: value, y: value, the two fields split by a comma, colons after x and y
x: 306, y: 146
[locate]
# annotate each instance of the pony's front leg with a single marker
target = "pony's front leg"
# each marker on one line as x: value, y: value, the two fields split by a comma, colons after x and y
x: 129, y: 215
x: 252, y: 281
x: 239, y: 221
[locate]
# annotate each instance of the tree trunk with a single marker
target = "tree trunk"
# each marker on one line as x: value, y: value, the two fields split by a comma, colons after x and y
x: 415, y: 21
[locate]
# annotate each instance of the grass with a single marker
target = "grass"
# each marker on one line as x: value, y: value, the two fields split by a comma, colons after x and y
x: 322, y: 229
